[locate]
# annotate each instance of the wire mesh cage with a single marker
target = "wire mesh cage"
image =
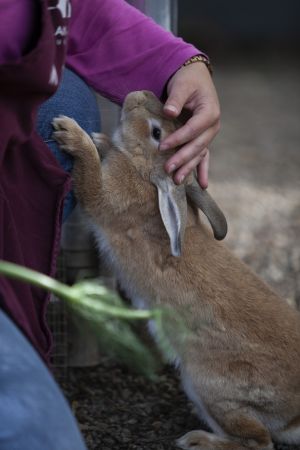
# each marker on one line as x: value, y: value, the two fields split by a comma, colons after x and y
x: 57, y: 319
x: 78, y: 259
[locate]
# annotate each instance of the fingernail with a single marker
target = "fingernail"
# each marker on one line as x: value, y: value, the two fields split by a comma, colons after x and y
x: 181, y: 179
x: 171, y: 108
x: 171, y: 168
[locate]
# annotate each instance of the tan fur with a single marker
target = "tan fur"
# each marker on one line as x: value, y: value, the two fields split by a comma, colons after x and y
x: 241, y: 362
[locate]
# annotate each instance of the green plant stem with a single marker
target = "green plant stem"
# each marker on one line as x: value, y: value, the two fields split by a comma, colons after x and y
x: 35, y: 278
x: 78, y: 294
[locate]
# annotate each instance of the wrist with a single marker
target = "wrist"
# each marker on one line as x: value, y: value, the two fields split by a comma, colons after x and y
x: 199, y: 59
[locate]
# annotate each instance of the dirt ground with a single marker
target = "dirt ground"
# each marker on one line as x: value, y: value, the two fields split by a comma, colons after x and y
x: 255, y: 177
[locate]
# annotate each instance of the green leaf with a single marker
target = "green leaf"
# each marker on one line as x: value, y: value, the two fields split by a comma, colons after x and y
x: 108, y: 315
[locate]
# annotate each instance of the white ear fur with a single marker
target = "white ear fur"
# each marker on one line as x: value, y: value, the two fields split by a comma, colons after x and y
x: 173, y: 209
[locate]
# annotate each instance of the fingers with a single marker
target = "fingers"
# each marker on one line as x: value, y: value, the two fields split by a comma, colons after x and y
x: 181, y: 174
x: 203, y: 119
x: 176, y: 101
x: 201, y: 163
x: 187, y: 158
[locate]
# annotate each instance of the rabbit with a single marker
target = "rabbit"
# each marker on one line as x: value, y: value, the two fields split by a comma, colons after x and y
x: 240, y: 362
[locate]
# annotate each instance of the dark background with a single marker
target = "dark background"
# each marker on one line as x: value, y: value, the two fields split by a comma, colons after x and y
x: 225, y: 28
x: 254, y: 47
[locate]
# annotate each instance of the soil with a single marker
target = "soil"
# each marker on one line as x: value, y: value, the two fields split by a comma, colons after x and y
x: 255, y: 178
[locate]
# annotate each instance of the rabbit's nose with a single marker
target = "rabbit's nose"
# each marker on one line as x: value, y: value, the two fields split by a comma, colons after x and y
x: 135, y: 98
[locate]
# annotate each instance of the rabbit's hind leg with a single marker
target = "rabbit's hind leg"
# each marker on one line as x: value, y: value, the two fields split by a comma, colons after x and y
x: 203, y: 440
x: 243, y: 432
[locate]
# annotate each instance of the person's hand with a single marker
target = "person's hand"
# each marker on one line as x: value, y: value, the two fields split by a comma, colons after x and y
x: 191, y: 88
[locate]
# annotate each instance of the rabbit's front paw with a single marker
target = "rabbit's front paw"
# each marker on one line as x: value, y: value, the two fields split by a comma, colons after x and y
x: 68, y: 134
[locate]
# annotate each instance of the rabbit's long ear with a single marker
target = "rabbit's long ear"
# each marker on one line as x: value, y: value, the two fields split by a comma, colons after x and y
x: 173, y: 209
x: 208, y: 206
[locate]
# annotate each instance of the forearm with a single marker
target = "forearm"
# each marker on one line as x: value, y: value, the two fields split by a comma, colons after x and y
x: 116, y: 49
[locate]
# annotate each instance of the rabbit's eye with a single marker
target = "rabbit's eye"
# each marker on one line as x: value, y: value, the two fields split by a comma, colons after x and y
x: 156, y: 133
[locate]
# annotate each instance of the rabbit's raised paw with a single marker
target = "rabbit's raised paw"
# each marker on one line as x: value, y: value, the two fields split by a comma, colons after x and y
x: 69, y: 135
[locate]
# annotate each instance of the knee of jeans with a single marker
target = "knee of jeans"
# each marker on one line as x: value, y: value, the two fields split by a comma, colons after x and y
x: 73, y: 98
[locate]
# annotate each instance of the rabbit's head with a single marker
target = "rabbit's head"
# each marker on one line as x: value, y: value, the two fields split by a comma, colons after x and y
x: 143, y: 125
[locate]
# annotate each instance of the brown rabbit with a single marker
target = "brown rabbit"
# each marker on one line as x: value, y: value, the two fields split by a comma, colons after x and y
x: 240, y: 364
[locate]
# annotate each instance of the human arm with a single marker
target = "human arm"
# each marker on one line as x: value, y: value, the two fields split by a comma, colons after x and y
x: 117, y: 49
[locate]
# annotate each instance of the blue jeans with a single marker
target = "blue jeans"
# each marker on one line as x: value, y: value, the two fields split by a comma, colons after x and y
x: 74, y: 99
x: 33, y: 412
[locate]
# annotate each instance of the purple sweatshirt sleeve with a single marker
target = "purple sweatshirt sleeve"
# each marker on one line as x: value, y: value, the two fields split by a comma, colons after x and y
x: 116, y: 49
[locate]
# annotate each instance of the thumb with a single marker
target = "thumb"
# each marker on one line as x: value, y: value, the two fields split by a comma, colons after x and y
x: 175, y: 101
